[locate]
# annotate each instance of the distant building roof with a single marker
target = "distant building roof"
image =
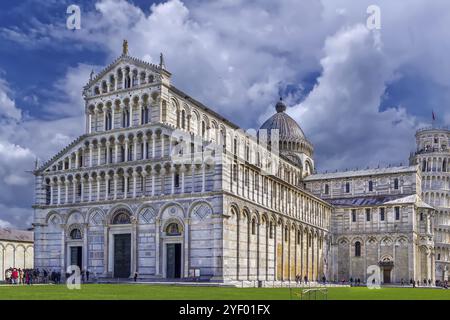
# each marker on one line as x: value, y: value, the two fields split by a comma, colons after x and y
x: 360, y: 173
x: 411, y: 199
x: 379, y: 200
x: 16, y: 235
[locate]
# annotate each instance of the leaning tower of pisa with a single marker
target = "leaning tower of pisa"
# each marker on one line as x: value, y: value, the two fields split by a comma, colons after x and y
x: 433, y: 156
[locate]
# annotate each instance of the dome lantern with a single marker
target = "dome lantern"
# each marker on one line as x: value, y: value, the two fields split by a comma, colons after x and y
x: 280, y: 106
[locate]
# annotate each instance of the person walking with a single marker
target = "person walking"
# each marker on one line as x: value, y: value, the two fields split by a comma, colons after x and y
x: 135, y: 276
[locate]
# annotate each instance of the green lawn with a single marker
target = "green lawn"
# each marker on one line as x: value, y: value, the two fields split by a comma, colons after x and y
x: 151, y: 292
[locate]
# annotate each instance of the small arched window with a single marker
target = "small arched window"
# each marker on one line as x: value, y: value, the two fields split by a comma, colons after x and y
x: 357, y: 249
x: 395, y: 183
x: 370, y: 185
x: 253, y: 226
x: 104, y: 87
x: 327, y: 189
x: 178, y: 119
x: 75, y: 234
x: 183, y: 119
x: 142, y: 77
x: 271, y: 230
x: 203, y: 129
x: 173, y: 229
x: 144, y: 115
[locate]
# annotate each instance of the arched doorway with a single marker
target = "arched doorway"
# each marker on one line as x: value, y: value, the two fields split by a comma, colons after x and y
x: 173, y: 250
x: 121, y: 232
x: 75, y: 245
x: 386, y: 265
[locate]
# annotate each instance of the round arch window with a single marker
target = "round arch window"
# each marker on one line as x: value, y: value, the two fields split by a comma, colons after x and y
x: 75, y: 234
x: 173, y: 229
x: 122, y: 218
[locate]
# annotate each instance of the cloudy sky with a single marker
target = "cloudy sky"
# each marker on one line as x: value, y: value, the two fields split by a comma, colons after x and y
x: 359, y: 94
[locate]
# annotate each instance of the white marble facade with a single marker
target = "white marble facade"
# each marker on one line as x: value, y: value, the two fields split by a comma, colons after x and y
x: 162, y: 185
x: 154, y: 160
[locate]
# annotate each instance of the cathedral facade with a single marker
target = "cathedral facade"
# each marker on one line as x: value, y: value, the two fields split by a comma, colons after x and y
x: 164, y: 186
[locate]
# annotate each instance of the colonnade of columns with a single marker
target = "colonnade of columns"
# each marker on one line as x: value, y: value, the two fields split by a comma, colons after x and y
x: 279, y: 251
x: 159, y: 179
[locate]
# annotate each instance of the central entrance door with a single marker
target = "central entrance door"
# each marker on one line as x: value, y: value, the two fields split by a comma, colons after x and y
x: 122, y: 255
x: 173, y: 260
x: 386, y: 275
x: 76, y: 255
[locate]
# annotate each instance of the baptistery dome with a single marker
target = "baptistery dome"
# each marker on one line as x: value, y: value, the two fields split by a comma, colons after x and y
x: 288, y: 128
x: 292, y: 141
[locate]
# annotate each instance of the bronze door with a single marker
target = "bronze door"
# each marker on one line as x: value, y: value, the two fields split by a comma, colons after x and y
x: 122, y: 255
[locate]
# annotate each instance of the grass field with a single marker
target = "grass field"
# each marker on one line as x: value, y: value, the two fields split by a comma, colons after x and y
x: 153, y: 292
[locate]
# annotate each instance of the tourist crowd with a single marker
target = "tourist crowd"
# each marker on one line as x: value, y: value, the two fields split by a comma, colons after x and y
x: 30, y: 276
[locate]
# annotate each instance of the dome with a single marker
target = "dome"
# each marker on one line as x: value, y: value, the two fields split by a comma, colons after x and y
x: 289, y: 129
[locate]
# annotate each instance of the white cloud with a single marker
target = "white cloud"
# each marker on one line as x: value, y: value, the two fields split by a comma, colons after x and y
x: 23, y: 139
x: 236, y: 56
x: 7, y: 106
x: 342, y: 115
x: 4, y: 224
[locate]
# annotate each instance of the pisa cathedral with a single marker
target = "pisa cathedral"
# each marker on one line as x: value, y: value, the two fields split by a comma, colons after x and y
x: 162, y: 185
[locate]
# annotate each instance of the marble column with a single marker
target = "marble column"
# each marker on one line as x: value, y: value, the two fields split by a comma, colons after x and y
x: 126, y: 150
x: 98, y: 188
x: 153, y: 182
x: 112, y: 117
x: 66, y: 184
x: 116, y: 176
x: 144, y: 175
x: 106, y: 186
x: 58, y: 185
x: 135, y: 174
x: 125, y: 186
x: 91, y: 147
x: 99, y: 154
x: 77, y: 159
x: 153, y: 145
x: 134, y: 251
x: 108, y: 145
x: 74, y: 187
x: 90, y: 188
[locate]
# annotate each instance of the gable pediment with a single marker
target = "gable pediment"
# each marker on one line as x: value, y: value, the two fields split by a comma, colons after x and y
x: 124, y: 72
x: 48, y: 166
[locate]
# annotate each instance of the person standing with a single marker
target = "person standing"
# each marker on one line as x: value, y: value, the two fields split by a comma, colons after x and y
x: 15, y: 276
x: 20, y: 276
x: 135, y: 276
